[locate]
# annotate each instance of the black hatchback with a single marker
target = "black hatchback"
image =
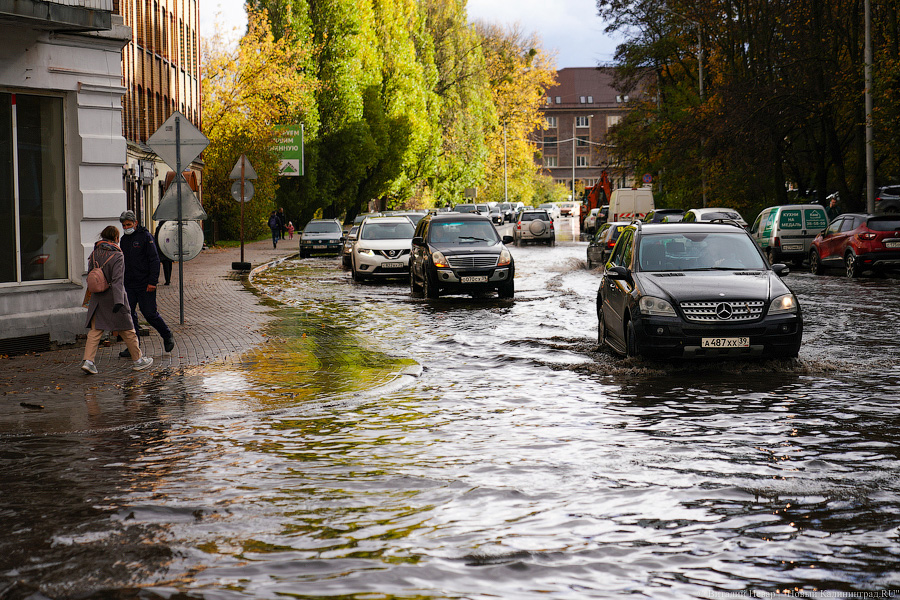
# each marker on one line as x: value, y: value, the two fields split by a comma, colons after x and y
x: 700, y: 290
x: 458, y: 253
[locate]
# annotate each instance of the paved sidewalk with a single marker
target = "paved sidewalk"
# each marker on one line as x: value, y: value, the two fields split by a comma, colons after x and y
x: 222, y: 320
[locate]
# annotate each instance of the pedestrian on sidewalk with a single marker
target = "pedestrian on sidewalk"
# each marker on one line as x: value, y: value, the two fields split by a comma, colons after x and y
x: 106, y: 310
x: 283, y: 218
x: 275, y: 226
x: 164, y: 260
x: 141, y: 277
x: 290, y: 230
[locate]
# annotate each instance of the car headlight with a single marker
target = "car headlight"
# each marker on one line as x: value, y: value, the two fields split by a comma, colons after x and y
x: 656, y: 307
x: 505, y: 258
x: 783, y: 304
x: 438, y: 259
x: 366, y: 251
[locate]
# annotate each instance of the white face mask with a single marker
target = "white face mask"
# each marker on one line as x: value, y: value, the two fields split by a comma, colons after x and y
x: 129, y: 231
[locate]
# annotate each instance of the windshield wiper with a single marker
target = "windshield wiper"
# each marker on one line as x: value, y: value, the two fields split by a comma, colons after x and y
x: 469, y: 237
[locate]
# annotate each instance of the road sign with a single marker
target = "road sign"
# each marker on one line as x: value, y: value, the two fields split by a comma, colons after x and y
x: 236, y: 191
x: 289, y: 144
x: 248, y: 173
x: 191, y: 235
x: 167, y: 210
x: 648, y: 178
x: 165, y: 144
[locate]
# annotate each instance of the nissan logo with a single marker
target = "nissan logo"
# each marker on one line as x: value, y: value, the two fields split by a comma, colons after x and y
x: 724, y: 311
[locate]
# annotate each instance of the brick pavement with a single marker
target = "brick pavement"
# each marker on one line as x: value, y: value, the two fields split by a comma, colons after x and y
x: 223, y: 318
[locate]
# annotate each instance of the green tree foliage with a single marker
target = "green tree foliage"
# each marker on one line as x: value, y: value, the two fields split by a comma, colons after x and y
x: 247, y: 89
x: 783, y: 98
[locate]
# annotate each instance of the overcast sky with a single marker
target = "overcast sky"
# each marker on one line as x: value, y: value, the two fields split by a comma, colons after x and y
x: 571, y: 28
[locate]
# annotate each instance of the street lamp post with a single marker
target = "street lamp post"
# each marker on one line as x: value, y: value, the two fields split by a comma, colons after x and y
x: 505, y: 181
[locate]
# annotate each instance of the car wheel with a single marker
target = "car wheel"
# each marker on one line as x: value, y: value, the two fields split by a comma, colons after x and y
x: 590, y: 265
x: 631, y: 348
x: 852, y: 264
x: 815, y: 263
x: 429, y: 289
x: 507, y: 290
x: 552, y: 242
x: 414, y: 289
x: 770, y: 256
x: 601, y: 326
x: 518, y: 242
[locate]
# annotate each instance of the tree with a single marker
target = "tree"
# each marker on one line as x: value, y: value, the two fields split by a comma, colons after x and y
x: 247, y: 90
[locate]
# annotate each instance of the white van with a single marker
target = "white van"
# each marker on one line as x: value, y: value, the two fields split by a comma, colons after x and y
x: 785, y: 233
x: 628, y: 204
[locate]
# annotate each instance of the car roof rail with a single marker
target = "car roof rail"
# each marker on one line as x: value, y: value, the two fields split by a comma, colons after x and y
x: 637, y: 222
x: 726, y: 222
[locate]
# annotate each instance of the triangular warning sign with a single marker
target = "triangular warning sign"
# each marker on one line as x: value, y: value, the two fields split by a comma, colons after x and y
x: 249, y: 173
x: 191, y: 209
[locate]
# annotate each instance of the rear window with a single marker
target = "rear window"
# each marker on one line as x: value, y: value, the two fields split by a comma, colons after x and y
x: 535, y: 216
x: 720, y: 215
x: 465, y: 208
x: 884, y: 224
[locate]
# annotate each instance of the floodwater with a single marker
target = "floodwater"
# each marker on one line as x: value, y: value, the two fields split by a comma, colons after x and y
x: 381, y: 446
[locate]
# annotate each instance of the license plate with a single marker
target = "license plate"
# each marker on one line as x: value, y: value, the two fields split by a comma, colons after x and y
x: 396, y: 265
x: 474, y: 279
x: 792, y: 247
x: 319, y: 247
x: 893, y: 243
x: 738, y: 342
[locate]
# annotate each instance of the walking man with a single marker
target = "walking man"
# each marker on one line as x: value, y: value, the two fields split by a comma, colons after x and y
x: 141, y: 277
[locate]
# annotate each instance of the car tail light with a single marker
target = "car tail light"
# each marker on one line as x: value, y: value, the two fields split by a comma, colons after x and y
x: 868, y: 236
x: 777, y: 242
x: 610, y: 243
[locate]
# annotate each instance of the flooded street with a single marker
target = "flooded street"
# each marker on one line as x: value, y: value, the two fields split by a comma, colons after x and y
x: 385, y: 446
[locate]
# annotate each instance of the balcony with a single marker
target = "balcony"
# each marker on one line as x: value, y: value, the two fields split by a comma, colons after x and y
x: 58, y: 15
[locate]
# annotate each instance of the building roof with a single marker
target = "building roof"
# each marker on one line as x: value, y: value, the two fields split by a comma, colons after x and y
x: 595, y: 84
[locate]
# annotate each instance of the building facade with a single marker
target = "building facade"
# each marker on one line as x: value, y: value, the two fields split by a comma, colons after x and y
x: 161, y: 75
x: 61, y: 157
x: 579, y: 111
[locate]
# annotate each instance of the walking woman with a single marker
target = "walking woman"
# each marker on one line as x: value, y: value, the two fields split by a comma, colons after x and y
x: 107, y: 310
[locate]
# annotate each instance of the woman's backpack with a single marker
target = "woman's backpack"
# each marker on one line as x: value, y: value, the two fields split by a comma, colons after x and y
x: 96, y: 279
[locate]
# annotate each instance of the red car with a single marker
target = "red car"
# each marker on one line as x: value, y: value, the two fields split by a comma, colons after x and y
x: 857, y: 243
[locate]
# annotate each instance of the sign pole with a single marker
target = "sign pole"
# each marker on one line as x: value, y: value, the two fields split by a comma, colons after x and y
x: 180, y: 215
x: 242, y: 208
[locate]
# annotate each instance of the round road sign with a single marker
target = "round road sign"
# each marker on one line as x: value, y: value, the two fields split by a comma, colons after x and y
x: 236, y: 191
x: 192, y: 235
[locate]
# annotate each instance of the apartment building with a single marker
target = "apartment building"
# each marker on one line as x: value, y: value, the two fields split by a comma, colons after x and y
x: 61, y: 157
x: 579, y: 111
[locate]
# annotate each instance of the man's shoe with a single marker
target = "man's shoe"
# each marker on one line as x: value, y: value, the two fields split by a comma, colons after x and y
x: 125, y: 353
x: 169, y: 343
x: 142, y: 363
x: 89, y: 367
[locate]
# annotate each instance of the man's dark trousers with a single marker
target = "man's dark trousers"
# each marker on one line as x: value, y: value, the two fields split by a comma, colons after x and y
x: 147, y: 301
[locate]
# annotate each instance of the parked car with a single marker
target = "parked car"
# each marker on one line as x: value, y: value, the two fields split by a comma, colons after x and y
x: 496, y: 215
x: 603, y: 242
x: 382, y: 248
x: 630, y: 203
x: 695, y: 290
x: 785, y: 233
x: 658, y: 215
x: 696, y: 215
x: 552, y: 208
x: 465, y: 208
x: 570, y: 209
x: 413, y: 216
x: 347, y: 248
x: 887, y: 200
x: 604, y: 214
x: 359, y: 219
x: 590, y: 221
x: 857, y: 243
x: 460, y: 254
x: 321, y: 236
x: 534, y: 226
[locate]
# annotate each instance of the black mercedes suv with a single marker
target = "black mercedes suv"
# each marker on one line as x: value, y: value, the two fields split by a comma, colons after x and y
x: 459, y: 253
x: 700, y: 290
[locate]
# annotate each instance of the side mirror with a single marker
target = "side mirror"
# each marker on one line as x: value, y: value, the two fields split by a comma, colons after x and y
x: 418, y: 241
x: 781, y: 270
x: 508, y: 239
x: 619, y: 273
x: 343, y: 238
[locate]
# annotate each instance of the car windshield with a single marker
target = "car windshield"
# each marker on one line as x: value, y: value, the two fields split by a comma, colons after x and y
x: 456, y: 232
x: 322, y: 227
x: 698, y: 252
x: 374, y: 230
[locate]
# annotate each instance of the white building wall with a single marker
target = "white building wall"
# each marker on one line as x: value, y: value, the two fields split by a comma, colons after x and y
x: 85, y: 69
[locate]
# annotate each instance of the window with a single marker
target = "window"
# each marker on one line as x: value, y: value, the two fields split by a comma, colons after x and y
x: 581, y: 122
x: 590, y: 99
x: 612, y: 120
x: 581, y: 161
x: 549, y: 100
x: 551, y: 161
x: 552, y: 123
x: 582, y: 99
x: 581, y: 141
x: 549, y: 142
x: 31, y: 141
x: 558, y: 100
